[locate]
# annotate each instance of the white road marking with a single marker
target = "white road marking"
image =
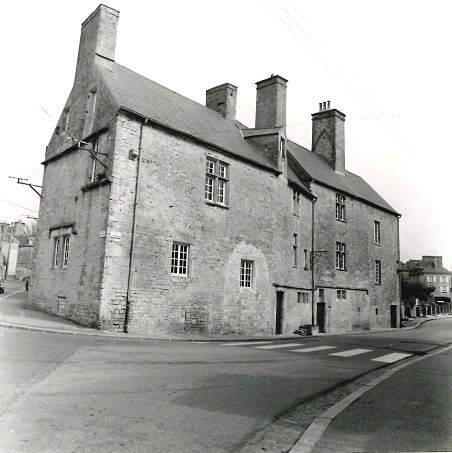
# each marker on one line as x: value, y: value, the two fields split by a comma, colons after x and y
x: 282, y: 345
x: 317, y: 348
x: 391, y: 358
x: 351, y: 352
x: 246, y: 343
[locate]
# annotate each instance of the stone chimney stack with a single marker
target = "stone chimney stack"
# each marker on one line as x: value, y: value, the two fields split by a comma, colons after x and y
x: 328, y: 136
x: 97, y: 39
x: 223, y: 99
x: 271, y: 102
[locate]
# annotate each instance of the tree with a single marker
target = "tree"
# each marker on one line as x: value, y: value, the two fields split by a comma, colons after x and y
x: 412, y: 290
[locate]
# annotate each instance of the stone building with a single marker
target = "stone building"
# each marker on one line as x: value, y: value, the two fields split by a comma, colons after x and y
x: 163, y: 215
x: 430, y: 271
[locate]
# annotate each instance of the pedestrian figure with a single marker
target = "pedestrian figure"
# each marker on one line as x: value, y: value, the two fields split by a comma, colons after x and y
x: 27, y: 282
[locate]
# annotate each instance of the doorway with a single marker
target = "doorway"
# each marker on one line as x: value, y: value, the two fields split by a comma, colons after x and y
x: 321, y: 316
x: 393, y: 316
x: 279, y: 312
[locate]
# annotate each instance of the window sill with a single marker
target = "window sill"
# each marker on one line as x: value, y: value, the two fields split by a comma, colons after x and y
x: 342, y: 270
x: 95, y: 184
x: 342, y: 221
x: 219, y: 205
x: 377, y: 243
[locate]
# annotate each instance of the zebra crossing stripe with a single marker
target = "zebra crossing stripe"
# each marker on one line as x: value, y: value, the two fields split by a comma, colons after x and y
x: 351, y: 352
x: 277, y: 346
x: 391, y: 358
x: 317, y: 348
x: 246, y: 343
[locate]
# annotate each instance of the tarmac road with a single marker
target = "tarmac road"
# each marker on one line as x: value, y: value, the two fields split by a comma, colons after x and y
x: 90, y: 392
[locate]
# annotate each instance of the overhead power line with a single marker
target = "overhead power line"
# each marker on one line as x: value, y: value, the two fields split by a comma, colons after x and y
x: 10, y: 202
x: 361, y: 93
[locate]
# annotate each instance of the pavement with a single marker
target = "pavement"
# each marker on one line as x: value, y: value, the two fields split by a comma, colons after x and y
x: 19, y: 316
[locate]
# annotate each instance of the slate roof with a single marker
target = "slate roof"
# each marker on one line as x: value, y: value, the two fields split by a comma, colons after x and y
x: 428, y: 267
x: 349, y: 183
x: 151, y: 100
x: 147, y: 98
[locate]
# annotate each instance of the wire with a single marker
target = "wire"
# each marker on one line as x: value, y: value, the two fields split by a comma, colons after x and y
x: 10, y: 202
x: 340, y: 74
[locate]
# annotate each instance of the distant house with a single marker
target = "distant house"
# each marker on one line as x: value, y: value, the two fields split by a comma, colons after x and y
x: 160, y: 214
x: 12, y: 238
x: 430, y: 271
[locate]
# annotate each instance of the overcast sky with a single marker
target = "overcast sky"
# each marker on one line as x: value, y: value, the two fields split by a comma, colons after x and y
x: 385, y: 64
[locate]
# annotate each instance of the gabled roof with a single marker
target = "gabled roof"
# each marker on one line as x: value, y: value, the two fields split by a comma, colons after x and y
x: 168, y: 108
x: 432, y: 268
x: 425, y: 267
x: 140, y: 95
x: 348, y: 183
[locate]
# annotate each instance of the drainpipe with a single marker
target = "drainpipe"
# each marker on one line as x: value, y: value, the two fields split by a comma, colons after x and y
x: 312, y: 262
x: 134, y: 225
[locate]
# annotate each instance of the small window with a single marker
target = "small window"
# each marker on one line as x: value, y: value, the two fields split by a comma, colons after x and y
x: 306, y: 259
x: 216, y: 184
x: 91, y: 103
x: 65, y: 251
x: 431, y: 279
x: 444, y: 289
x: 378, y: 272
x: 340, y: 207
x: 56, y: 252
x: 341, y: 294
x: 443, y: 279
x: 340, y: 256
x: 377, y: 232
x: 94, y: 161
x: 296, y: 202
x: 246, y: 273
x: 295, y: 249
x: 65, y: 119
x: 321, y: 294
x: 179, y: 259
x: 302, y: 297
x: 282, y: 148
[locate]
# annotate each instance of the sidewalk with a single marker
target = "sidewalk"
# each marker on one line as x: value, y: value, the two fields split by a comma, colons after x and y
x: 18, y: 316
x: 369, y: 420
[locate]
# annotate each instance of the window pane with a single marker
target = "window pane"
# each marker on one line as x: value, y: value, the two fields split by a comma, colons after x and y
x: 246, y: 273
x: 221, y: 170
x: 179, y: 259
x: 209, y: 188
x: 221, y: 191
x: 66, y: 251
x: 210, y: 167
x: 56, y: 252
